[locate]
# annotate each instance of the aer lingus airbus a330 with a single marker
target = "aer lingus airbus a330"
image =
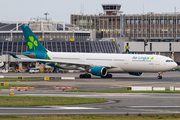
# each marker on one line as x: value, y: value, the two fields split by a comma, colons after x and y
x: 99, y: 64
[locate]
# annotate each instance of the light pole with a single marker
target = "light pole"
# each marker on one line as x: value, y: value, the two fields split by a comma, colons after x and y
x: 46, y: 14
x: 148, y: 32
x: 121, y: 31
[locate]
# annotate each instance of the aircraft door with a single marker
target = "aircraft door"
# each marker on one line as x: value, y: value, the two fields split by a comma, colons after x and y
x: 82, y: 58
x: 126, y: 60
x: 157, y: 61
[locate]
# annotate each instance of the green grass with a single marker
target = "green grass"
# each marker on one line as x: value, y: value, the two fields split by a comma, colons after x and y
x: 16, y: 79
x: 123, y: 91
x: 8, y: 87
x: 25, y: 101
x: 93, y: 117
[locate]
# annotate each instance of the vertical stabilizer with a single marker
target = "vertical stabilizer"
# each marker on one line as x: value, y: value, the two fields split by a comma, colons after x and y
x: 31, y: 40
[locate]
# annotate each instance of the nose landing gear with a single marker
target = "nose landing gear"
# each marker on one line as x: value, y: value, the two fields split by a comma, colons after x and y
x: 160, y: 75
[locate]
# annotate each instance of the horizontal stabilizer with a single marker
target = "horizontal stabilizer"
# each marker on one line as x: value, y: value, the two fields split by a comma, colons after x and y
x: 13, y: 55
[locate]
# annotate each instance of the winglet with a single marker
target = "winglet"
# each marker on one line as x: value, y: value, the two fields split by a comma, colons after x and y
x: 13, y: 55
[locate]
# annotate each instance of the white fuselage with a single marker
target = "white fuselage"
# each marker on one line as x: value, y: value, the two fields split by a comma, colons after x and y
x: 120, y: 62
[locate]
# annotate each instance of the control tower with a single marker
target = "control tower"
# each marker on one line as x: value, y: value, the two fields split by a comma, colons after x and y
x: 111, y: 9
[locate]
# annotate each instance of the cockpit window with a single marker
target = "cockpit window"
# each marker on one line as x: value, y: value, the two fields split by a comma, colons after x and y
x: 169, y: 61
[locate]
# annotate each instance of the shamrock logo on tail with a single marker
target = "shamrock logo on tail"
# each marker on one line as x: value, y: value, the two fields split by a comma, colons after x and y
x: 32, y: 43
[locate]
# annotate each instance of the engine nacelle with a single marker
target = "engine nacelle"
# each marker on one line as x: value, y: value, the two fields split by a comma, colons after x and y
x: 136, y: 73
x: 99, y: 71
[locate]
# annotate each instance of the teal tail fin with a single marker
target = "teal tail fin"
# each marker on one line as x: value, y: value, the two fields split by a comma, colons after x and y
x: 31, y: 40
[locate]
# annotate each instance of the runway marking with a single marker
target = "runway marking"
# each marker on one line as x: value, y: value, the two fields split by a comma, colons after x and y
x: 152, y: 110
x: 89, y: 95
x: 154, y: 106
x: 59, y: 113
x: 72, y: 108
x: 49, y: 108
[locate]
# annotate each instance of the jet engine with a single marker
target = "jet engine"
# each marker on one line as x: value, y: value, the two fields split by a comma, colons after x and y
x: 136, y: 73
x: 99, y: 71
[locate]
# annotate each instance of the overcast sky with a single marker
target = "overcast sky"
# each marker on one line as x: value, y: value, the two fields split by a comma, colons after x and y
x: 60, y: 10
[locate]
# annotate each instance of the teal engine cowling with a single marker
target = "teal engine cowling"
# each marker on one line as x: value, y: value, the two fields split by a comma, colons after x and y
x: 99, y: 71
x: 136, y: 73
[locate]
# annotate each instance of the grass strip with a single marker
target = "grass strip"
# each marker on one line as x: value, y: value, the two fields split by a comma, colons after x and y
x: 8, y: 87
x: 25, y: 101
x: 24, y: 79
x: 123, y: 91
x: 93, y: 117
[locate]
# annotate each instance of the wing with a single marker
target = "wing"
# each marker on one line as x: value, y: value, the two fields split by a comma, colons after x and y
x: 80, y: 64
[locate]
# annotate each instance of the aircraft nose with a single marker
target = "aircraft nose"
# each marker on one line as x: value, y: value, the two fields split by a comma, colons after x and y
x: 172, y: 65
x: 175, y: 64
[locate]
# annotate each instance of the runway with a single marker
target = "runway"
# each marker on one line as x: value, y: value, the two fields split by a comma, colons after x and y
x: 119, y: 103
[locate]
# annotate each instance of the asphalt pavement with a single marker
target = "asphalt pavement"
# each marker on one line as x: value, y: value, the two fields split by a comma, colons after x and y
x: 119, y: 103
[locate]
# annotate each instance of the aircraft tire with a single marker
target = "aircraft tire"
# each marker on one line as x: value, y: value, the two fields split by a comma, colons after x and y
x: 89, y: 76
x: 102, y: 77
x: 159, y: 77
x: 107, y: 76
x: 84, y: 76
x: 110, y: 76
x: 80, y: 76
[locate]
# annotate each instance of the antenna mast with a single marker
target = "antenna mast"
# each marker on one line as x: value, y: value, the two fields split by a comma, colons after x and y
x: 175, y: 10
x: 143, y: 7
x: 46, y: 14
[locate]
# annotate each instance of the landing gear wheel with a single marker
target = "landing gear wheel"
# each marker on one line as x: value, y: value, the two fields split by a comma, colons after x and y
x: 89, y: 76
x: 110, y: 75
x: 84, y: 76
x: 159, y: 77
x: 80, y: 76
x: 107, y: 76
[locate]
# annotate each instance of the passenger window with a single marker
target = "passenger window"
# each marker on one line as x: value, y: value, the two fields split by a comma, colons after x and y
x: 169, y: 61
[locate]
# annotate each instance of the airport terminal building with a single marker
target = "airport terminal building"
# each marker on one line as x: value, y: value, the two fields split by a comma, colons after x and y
x: 161, y: 30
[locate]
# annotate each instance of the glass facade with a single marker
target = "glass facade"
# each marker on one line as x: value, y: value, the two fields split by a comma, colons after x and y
x: 169, y: 46
x: 149, y: 26
x: 63, y: 46
x: 150, y: 46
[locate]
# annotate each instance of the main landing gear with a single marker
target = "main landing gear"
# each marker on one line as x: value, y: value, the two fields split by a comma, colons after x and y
x: 107, y: 76
x: 160, y: 75
x: 84, y: 76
